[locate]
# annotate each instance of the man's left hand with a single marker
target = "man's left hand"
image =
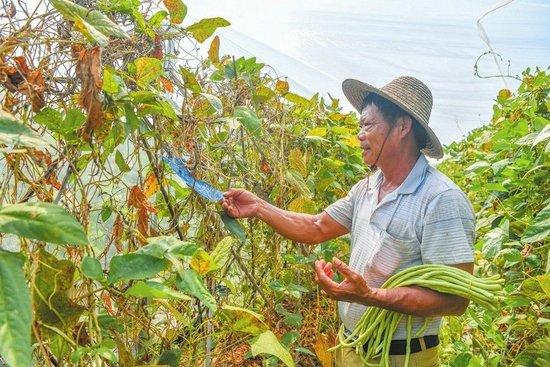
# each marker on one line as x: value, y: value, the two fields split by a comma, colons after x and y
x: 354, y: 288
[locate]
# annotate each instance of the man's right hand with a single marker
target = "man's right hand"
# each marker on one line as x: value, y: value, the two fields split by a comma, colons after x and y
x: 239, y: 203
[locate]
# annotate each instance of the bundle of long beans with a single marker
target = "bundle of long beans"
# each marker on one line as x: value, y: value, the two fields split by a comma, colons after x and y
x: 373, y: 333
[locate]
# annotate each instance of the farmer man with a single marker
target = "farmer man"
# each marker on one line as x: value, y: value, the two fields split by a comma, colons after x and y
x: 406, y: 213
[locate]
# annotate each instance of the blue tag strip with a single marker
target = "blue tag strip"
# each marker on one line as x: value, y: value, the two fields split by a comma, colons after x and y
x: 200, y: 187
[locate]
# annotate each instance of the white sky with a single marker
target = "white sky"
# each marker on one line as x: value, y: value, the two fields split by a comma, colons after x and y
x: 317, y: 44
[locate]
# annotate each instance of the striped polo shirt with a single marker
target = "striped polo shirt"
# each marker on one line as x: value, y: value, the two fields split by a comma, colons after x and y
x: 426, y: 220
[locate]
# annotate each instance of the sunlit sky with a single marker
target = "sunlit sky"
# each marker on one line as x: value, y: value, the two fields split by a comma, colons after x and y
x: 318, y: 44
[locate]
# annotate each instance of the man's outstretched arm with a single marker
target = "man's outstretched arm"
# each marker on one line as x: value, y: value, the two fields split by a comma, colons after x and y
x: 298, y: 227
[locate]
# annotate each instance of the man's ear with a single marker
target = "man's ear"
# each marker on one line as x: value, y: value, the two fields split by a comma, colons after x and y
x: 404, y: 124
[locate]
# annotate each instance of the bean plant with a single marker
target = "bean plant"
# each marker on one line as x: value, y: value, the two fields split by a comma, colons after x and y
x: 109, y: 258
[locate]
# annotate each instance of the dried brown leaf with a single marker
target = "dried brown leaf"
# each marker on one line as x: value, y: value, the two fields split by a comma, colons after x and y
x: 151, y: 185
x: 167, y: 84
x: 108, y: 303
x: 158, y: 48
x: 214, y: 51
x: 321, y: 345
x: 21, y: 64
x: 139, y: 201
x: 88, y: 70
x: 118, y: 230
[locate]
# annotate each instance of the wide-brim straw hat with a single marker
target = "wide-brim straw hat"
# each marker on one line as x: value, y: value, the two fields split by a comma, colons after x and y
x: 407, y: 92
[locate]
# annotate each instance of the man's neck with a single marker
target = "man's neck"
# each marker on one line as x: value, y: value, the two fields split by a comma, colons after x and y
x: 396, y: 172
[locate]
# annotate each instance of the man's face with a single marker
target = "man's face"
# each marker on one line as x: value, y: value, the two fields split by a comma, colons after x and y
x: 374, y: 131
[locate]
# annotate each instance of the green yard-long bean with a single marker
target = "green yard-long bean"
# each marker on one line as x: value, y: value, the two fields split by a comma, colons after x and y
x: 377, y: 326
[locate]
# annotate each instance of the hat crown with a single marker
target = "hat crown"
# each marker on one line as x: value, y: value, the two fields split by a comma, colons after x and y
x: 412, y: 95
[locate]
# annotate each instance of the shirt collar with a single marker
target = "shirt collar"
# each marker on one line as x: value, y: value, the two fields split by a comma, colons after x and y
x: 415, y: 177
x: 411, y: 183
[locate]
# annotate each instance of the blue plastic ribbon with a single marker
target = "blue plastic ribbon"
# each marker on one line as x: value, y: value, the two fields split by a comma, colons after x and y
x: 200, y: 187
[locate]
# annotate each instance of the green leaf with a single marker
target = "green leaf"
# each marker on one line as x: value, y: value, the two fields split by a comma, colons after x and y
x: 341, y: 130
x: 317, y: 138
x: 94, y: 22
x: 54, y: 278
x: 157, y: 18
x: 536, y: 354
x: 249, y: 119
x: 291, y: 319
x: 154, y: 289
x: 511, y: 255
x: 140, y: 21
x: 297, y: 162
x: 158, y: 108
x: 148, y: 69
x: 243, y: 320
x: 296, y: 99
x: 303, y: 205
x: 55, y: 122
x: 50, y: 118
x: 121, y: 163
x: 206, y: 27
x: 333, y: 163
x: 185, y: 249
x: 478, y: 167
x: 170, y: 357
x: 132, y: 121
x: 543, y: 135
x: 233, y: 226
x: 91, y: 268
x: 297, y: 182
x: 220, y: 254
x: 318, y: 131
x: 527, y: 139
x: 200, y: 261
x: 74, y: 119
x: 112, y: 82
x: 492, y: 242
x: 537, y: 288
x: 177, y: 9
x: 305, y: 351
x: 190, y: 80
x: 42, y: 221
x: 134, y: 266
x: 191, y: 283
x: 267, y: 343
x: 91, y: 33
x: 14, y: 132
x: 214, y: 102
x: 158, y: 246
x: 262, y: 94
x: 540, y: 228
x: 105, y: 353
x: 289, y: 337
x: 15, y: 311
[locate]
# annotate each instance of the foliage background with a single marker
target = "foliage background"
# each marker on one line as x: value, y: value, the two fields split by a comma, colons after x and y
x: 152, y: 273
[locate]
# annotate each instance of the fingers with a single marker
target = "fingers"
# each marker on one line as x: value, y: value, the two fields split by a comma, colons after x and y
x: 232, y: 193
x: 328, y: 270
x: 227, y: 202
x: 343, y: 269
x: 323, y: 274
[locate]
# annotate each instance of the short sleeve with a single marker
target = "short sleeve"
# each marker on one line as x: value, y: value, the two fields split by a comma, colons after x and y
x: 342, y: 210
x: 449, y: 230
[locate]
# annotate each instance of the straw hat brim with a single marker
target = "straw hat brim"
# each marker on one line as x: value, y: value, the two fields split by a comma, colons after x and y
x: 356, y: 91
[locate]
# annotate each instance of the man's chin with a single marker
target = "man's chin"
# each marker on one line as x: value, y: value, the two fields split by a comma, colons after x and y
x: 367, y: 161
